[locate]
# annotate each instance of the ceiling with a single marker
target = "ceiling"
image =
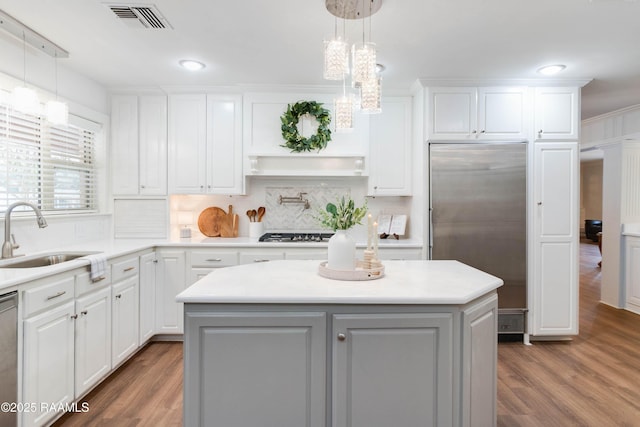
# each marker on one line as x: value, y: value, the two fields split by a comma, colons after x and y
x: 258, y: 42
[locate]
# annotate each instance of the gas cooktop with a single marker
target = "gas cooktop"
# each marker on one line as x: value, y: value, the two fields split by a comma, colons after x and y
x: 295, y: 237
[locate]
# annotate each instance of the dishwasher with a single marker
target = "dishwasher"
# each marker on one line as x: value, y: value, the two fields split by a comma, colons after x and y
x: 9, y: 356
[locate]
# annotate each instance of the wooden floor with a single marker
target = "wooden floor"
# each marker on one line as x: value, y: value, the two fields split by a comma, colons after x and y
x: 593, y: 380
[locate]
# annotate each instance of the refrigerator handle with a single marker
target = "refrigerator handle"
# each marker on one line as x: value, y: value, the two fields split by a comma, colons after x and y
x: 429, y: 255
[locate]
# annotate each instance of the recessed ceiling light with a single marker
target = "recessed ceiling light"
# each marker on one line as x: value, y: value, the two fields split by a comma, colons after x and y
x: 380, y: 68
x: 549, y: 70
x: 191, y: 65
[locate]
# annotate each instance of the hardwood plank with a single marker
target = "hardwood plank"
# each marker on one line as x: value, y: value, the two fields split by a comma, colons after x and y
x: 593, y: 380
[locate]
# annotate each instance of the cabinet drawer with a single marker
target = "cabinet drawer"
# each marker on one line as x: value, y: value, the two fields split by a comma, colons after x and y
x: 56, y: 291
x: 251, y: 257
x: 85, y: 285
x: 127, y: 268
x: 213, y: 258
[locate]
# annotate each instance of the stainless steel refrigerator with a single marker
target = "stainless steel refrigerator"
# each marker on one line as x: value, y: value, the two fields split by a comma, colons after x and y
x: 478, y: 216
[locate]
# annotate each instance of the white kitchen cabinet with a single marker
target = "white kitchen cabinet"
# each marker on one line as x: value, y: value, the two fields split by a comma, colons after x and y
x: 170, y: 281
x: 48, y: 354
x: 390, y: 149
x: 139, y: 144
x: 557, y: 113
x: 203, y: 261
x: 469, y: 113
x: 392, y: 369
x: 248, y: 256
x: 92, y: 338
x: 205, y: 144
x: 148, y: 263
x: 632, y: 273
x: 306, y: 253
x: 553, y: 296
x: 125, y: 313
x: 125, y: 274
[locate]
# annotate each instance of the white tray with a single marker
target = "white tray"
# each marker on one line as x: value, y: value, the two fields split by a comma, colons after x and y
x: 360, y: 273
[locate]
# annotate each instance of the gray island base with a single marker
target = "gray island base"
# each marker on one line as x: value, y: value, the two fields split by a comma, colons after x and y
x: 276, y: 345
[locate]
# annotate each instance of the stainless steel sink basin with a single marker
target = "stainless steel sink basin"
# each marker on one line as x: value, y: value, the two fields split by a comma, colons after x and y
x: 42, y: 260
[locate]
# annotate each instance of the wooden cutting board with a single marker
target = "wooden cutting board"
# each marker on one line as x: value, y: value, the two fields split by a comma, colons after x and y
x: 215, y: 222
x: 211, y: 221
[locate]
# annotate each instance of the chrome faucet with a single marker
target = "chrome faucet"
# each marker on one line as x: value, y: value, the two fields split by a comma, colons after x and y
x: 9, y: 240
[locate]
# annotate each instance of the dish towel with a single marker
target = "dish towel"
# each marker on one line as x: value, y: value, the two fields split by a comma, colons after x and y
x: 98, y: 267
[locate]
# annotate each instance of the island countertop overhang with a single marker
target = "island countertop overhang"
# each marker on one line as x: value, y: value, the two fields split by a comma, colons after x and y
x: 298, y: 282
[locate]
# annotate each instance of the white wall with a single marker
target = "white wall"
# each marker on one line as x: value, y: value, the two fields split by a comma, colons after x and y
x: 256, y: 196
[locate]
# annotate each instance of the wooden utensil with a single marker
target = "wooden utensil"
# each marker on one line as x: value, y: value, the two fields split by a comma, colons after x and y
x: 261, y: 211
x: 253, y: 215
x: 228, y: 225
x: 249, y: 215
x: 210, y: 221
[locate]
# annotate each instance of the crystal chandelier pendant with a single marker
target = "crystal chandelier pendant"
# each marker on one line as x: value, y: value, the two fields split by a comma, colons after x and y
x: 364, y: 63
x: 370, y: 95
x: 25, y: 100
x: 57, y: 112
x: 336, y: 59
x: 344, y: 113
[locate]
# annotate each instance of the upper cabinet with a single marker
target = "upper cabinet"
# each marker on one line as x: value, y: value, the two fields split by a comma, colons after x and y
x: 139, y: 145
x: 469, y: 113
x: 557, y: 113
x: 205, y: 144
x: 390, y: 149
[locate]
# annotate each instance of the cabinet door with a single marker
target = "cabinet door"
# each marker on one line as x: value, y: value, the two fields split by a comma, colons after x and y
x: 124, y: 319
x: 224, y: 144
x: 479, y: 363
x: 452, y: 113
x: 153, y: 145
x: 124, y: 144
x: 501, y: 113
x: 557, y: 115
x: 274, y: 361
x: 390, y: 149
x: 632, y: 274
x: 392, y: 370
x: 554, y: 306
x: 187, y: 143
x: 48, y: 362
x: 93, y: 339
x: 171, y: 280
x: 148, y: 265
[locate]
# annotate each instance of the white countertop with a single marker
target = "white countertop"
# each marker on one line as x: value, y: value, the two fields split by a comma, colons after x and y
x: 289, y: 282
x: 11, y: 277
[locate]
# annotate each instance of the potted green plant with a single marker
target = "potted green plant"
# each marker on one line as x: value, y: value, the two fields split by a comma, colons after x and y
x: 341, y: 217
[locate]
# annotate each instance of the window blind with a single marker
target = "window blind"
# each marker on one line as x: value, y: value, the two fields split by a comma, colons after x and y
x: 51, y: 166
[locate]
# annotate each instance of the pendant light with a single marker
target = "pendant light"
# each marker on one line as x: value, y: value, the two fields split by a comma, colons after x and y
x: 24, y: 99
x: 363, y: 58
x: 371, y: 88
x: 344, y: 110
x: 336, y: 56
x: 57, y: 112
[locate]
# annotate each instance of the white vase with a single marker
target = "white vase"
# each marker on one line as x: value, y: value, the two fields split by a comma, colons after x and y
x: 342, y: 251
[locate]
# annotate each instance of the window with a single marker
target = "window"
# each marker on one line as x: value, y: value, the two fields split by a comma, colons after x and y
x: 51, y: 166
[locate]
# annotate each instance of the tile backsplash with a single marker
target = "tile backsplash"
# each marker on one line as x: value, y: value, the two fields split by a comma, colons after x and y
x: 294, y: 216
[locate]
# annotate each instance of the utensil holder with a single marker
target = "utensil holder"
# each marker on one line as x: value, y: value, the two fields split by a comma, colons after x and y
x: 256, y: 229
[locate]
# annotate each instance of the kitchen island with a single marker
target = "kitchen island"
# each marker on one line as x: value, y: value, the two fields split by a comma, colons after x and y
x: 276, y: 344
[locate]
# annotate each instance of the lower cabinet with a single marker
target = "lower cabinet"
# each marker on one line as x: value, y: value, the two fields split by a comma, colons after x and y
x: 93, y: 339
x: 357, y: 366
x: 170, y: 281
x: 125, y: 320
x: 392, y: 370
x: 148, y: 263
x: 48, y: 371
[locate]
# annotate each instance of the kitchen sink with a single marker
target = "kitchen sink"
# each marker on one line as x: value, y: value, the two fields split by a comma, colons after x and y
x: 42, y: 260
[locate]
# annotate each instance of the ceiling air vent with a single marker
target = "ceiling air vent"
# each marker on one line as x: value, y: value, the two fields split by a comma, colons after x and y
x: 140, y: 16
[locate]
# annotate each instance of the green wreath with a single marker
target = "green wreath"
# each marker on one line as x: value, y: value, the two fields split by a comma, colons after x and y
x: 296, y: 142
